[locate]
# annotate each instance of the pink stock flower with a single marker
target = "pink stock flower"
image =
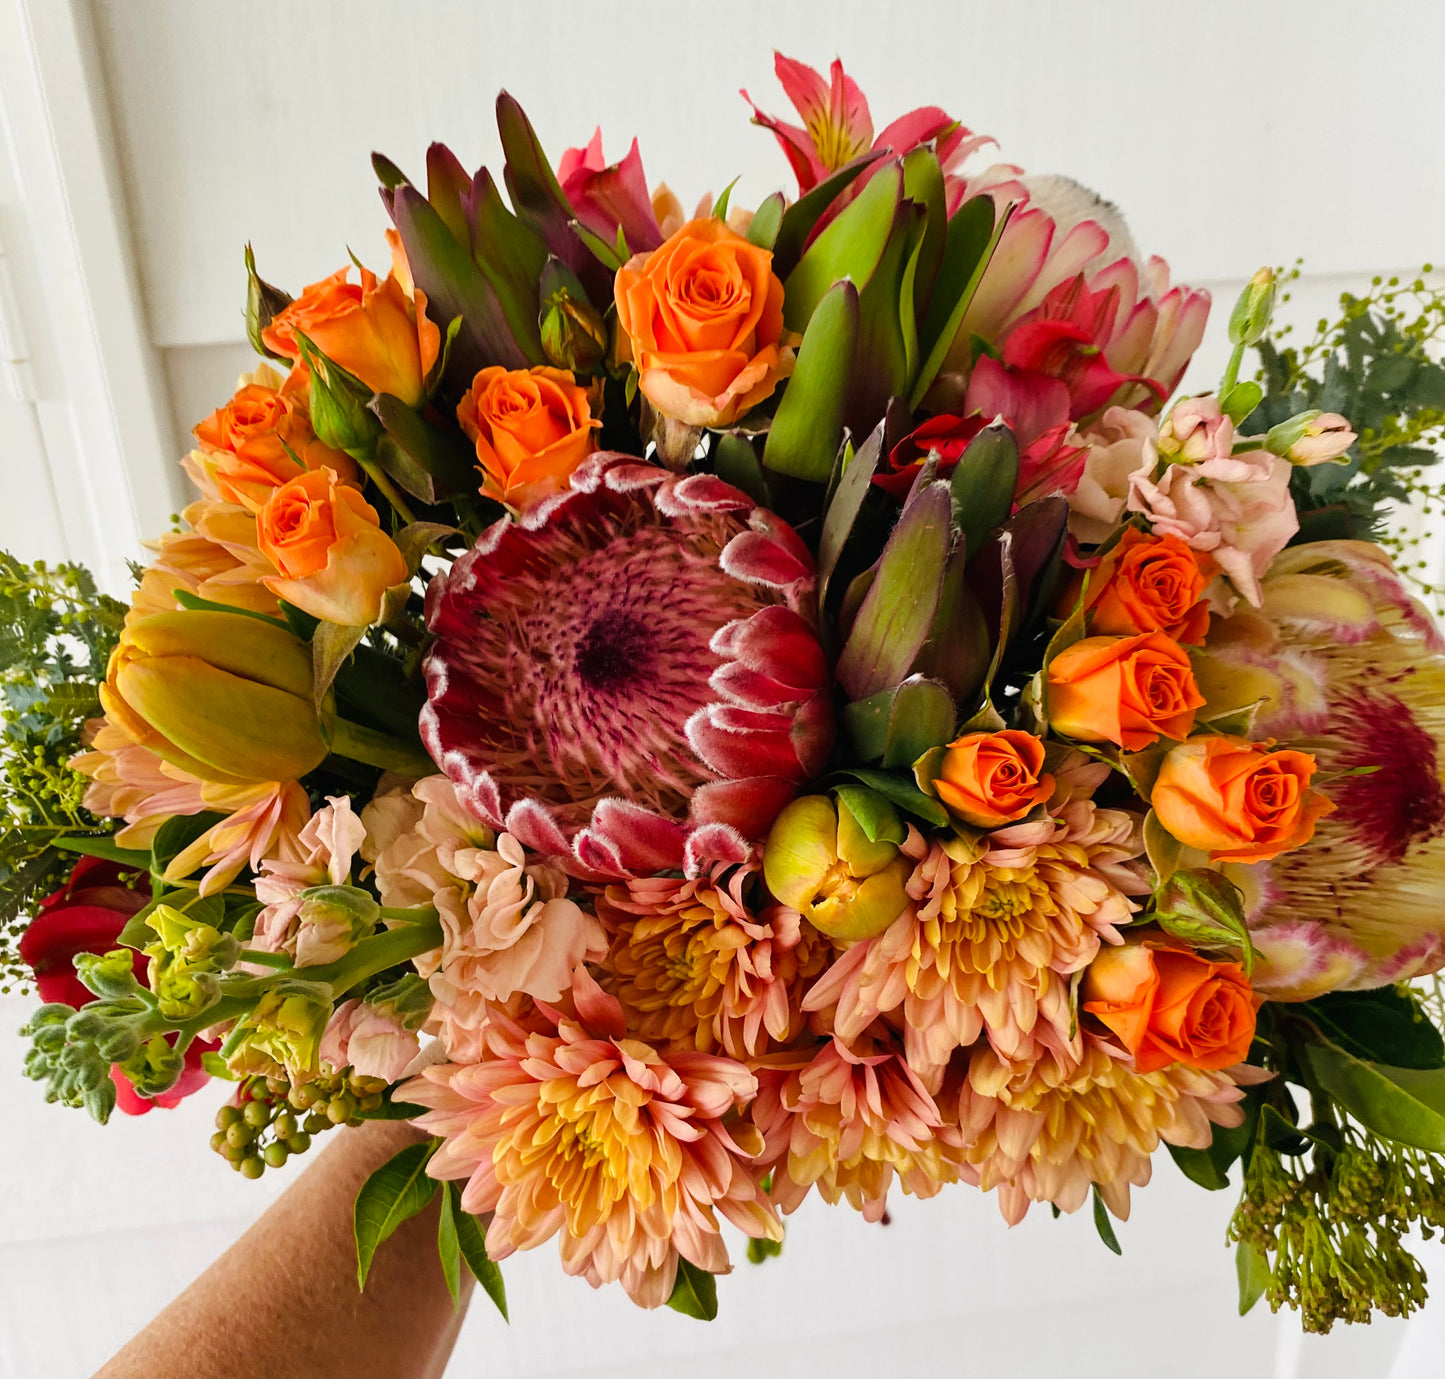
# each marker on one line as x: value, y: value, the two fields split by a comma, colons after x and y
x: 565, y: 1127
x: 630, y: 682
x: 327, y: 844
x: 848, y: 1123
x: 1120, y: 443
x: 606, y: 198
x: 372, y: 1042
x: 995, y: 930
x: 1237, y: 507
x: 1035, y: 409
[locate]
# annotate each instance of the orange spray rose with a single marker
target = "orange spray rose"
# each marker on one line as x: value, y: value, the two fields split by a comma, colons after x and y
x: 532, y: 428
x: 703, y: 318
x: 1237, y: 800
x: 1169, y: 1005
x: 992, y: 779
x: 326, y: 541
x: 377, y: 332
x: 1124, y: 690
x: 1151, y: 584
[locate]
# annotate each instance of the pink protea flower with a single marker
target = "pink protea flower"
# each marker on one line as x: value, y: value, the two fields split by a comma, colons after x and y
x: 849, y: 1121
x: 328, y: 842
x: 995, y: 930
x: 1048, y: 1131
x: 630, y: 682
x: 694, y: 966
x: 565, y: 1127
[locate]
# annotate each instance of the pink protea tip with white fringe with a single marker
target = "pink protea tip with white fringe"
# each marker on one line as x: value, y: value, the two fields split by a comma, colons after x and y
x: 630, y: 681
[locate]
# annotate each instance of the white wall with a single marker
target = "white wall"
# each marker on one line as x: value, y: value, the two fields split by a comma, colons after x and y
x: 1233, y: 134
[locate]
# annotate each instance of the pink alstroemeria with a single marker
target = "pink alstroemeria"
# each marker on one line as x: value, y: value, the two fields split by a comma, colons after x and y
x: 838, y: 127
x: 608, y: 197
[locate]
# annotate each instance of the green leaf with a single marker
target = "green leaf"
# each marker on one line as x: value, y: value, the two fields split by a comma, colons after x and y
x: 897, y: 612
x: 958, y: 254
x: 471, y: 1240
x: 1198, y: 1167
x: 799, y: 219
x: 197, y: 604
x: 448, y: 1249
x: 957, y: 648
x: 767, y: 220
x: 176, y: 835
x: 1406, y: 1105
x: 877, y: 818
x: 387, y: 172
x: 720, y: 206
x: 104, y: 847
x: 1161, y: 847
x: 442, y: 456
x: 803, y: 439
x: 1241, y: 400
x: 844, y: 506
x: 865, y: 723
x: 887, y: 354
x: 923, y: 183
x: 511, y: 256
x: 983, y: 482
x: 922, y: 716
x: 904, y: 794
x: 735, y: 461
x: 695, y: 1292
x: 1251, y: 1267
x: 1384, y: 1024
x: 396, y: 1192
x: 1103, y: 1225
x: 851, y: 246
x: 331, y: 644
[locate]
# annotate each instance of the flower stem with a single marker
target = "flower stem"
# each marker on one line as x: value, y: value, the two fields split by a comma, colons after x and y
x: 1231, y: 372
x: 377, y: 475
x: 379, y: 749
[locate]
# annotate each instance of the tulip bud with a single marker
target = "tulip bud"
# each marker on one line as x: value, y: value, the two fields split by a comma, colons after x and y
x: 819, y: 860
x: 331, y: 920
x: 1310, y: 438
x: 225, y: 697
x: 281, y: 1035
x: 1251, y: 315
x: 340, y: 403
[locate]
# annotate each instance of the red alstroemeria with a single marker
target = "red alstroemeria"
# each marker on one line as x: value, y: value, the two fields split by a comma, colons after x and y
x: 1033, y: 406
x: 86, y: 915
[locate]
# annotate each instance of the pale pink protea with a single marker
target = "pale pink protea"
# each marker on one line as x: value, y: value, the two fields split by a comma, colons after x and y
x: 1048, y: 1131
x: 995, y: 930
x: 129, y: 781
x: 1066, y: 295
x: 849, y: 1121
x: 694, y: 966
x: 565, y: 1127
x: 630, y: 682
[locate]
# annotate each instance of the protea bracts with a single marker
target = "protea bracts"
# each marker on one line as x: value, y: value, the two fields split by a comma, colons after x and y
x: 631, y: 682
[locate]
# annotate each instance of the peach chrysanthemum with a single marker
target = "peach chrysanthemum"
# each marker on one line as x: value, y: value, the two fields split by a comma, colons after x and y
x: 848, y: 1123
x: 693, y: 965
x: 129, y: 781
x: 995, y: 929
x: 1049, y: 1131
x: 566, y: 1127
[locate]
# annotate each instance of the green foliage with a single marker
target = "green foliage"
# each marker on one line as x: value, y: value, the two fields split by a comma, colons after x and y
x: 695, y: 1292
x: 1374, y: 366
x: 56, y: 633
x: 397, y: 1191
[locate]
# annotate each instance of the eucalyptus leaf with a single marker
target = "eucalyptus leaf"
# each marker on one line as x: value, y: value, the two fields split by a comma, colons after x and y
x: 397, y: 1191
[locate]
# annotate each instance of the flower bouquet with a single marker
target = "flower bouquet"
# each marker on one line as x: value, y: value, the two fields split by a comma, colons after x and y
x: 697, y: 711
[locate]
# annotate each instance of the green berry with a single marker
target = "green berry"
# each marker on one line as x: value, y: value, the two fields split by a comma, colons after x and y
x: 252, y: 1166
x: 285, y: 1125
x: 299, y: 1143
x: 275, y: 1154
x: 316, y: 1122
x: 257, y: 1114
x: 218, y: 1142
x: 239, y: 1135
x: 227, y: 1116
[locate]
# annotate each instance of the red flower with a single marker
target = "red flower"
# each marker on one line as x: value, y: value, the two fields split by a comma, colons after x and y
x: 86, y: 915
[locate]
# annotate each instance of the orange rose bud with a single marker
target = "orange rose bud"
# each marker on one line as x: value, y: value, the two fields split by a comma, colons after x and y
x: 703, y: 317
x: 992, y: 779
x: 532, y: 428
x: 1236, y: 800
x: 1169, y: 1005
x: 1124, y: 690
x: 326, y: 540
x: 1151, y: 584
x: 262, y: 439
x: 378, y: 333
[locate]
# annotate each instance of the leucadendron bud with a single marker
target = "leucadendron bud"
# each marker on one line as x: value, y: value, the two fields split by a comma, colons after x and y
x: 819, y: 860
x: 1251, y: 315
x: 281, y: 1035
x: 331, y: 920
x: 225, y: 697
